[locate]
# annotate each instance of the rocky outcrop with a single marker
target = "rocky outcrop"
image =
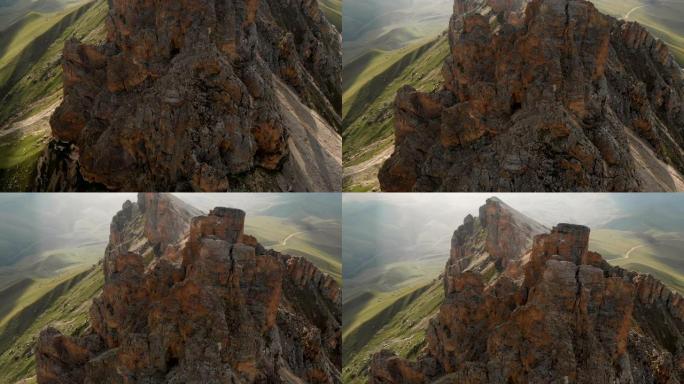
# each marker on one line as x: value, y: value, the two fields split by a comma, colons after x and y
x: 493, y: 241
x: 543, y: 95
x: 557, y: 313
x: 214, y: 306
x: 184, y: 96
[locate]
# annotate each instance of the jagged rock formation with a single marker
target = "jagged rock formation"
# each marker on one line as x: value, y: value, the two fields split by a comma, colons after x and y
x: 543, y: 95
x: 556, y: 313
x: 189, y: 95
x: 204, y: 303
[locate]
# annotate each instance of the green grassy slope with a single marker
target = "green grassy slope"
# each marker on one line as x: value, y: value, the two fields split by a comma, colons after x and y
x: 11, y: 11
x: 333, y: 11
x: 64, y: 306
x: 31, y: 84
x: 400, y: 327
x: 369, y: 100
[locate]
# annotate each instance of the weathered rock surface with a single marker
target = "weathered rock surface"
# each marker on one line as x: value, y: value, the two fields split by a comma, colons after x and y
x: 543, y: 95
x: 556, y: 313
x: 490, y: 243
x: 182, y: 96
x: 213, y: 306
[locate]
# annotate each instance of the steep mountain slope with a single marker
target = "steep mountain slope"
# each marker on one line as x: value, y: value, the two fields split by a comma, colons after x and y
x: 54, y: 280
x: 11, y: 11
x: 197, y: 300
x: 333, y: 11
x: 399, y: 327
x: 63, y: 300
x: 663, y: 18
x: 216, y: 73
x: 32, y: 84
x: 36, y: 257
x: 368, y: 137
x: 519, y: 310
x: 64, y: 306
x: 389, y: 309
x: 386, y: 25
x: 543, y: 95
x: 387, y: 44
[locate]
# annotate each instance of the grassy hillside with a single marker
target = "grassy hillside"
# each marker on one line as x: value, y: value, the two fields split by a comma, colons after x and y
x: 62, y: 302
x: 371, y: 86
x: 391, y: 279
x: 653, y: 252
x: 399, y: 326
x: 31, y: 83
x: 333, y: 11
x: 12, y: 11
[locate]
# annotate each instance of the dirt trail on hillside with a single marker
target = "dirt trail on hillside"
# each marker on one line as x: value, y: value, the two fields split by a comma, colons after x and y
x: 32, y: 123
x: 365, y: 174
x: 628, y: 14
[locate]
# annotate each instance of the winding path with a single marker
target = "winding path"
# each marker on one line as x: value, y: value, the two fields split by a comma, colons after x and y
x: 632, y: 10
x: 629, y: 253
x: 284, y: 242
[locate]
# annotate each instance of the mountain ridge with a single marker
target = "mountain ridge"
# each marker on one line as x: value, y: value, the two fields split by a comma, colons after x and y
x: 166, y: 268
x: 562, y: 95
x: 603, y: 323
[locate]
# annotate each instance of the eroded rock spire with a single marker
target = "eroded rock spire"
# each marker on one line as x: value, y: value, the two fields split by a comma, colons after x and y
x: 555, y: 312
x: 543, y: 95
x: 213, y: 306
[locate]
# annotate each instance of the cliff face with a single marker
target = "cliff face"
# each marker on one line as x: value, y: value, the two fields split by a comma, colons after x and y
x: 491, y: 242
x: 543, y: 95
x: 186, y: 95
x: 211, y: 305
x: 556, y: 313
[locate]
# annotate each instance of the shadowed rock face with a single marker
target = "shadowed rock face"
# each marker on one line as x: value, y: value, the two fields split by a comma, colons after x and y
x: 542, y: 95
x: 556, y: 313
x: 213, y: 307
x: 182, y: 96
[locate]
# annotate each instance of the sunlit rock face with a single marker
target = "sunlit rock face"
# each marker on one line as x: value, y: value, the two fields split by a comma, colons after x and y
x: 212, y: 306
x: 554, y: 312
x: 181, y: 96
x: 541, y: 95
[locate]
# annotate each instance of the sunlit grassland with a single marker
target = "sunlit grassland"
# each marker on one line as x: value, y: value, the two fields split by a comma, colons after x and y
x: 62, y: 302
x: 31, y: 82
x: 333, y: 11
x: 398, y: 325
x: 656, y: 253
x: 317, y: 243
